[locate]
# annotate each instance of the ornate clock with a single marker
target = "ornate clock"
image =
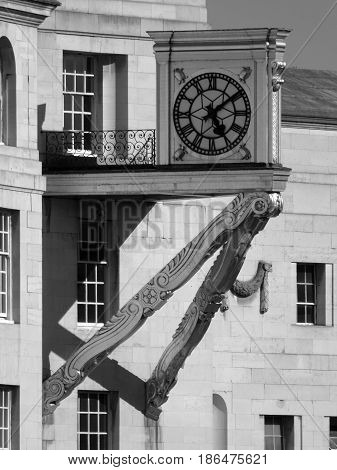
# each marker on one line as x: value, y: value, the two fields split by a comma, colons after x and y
x: 212, y: 113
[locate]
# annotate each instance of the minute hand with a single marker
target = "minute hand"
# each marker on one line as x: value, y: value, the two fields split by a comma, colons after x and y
x: 234, y: 97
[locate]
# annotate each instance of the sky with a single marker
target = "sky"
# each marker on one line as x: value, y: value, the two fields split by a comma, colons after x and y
x: 313, y: 41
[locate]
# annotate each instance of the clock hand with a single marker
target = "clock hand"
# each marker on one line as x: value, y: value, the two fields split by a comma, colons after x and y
x: 221, y: 105
x: 218, y: 128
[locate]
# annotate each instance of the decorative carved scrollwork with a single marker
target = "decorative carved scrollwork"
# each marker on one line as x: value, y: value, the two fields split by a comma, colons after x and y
x: 255, y: 208
x: 245, y: 289
x: 245, y: 74
x: 277, y: 71
x: 209, y: 298
x: 180, y: 153
x: 180, y: 75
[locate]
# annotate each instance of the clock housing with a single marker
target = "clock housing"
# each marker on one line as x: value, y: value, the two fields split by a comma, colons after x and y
x: 216, y: 96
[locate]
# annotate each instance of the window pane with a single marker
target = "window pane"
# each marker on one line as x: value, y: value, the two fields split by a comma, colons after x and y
x: 68, y: 121
x: 300, y: 314
x: 100, y: 313
x: 100, y: 273
x: 310, y: 314
x: 269, y: 443
x: 84, y: 442
x: 87, y: 122
x: 79, y: 84
x: 89, y: 65
x: 70, y: 83
x: 81, y: 293
x: 93, y: 442
x: 81, y: 272
x: 78, y: 122
x: 103, y: 442
x: 278, y: 443
x: 83, y: 422
x: 100, y: 293
x: 301, y: 293
x: 309, y: 276
x: 91, y: 293
x: 310, y: 294
x: 83, y: 402
x: 91, y: 276
x: 81, y: 318
x: 67, y: 102
x: 103, y: 423
x: 78, y: 103
x: 91, y: 313
x: 87, y: 103
x: 300, y: 272
x: 93, y: 402
x: 93, y: 423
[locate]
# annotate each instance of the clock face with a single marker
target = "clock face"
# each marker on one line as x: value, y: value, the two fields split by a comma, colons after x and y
x: 212, y: 113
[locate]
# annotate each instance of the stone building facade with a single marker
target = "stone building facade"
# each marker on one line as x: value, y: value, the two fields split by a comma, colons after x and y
x: 253, y: 377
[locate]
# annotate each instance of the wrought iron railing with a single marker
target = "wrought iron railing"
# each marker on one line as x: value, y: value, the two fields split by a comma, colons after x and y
x: 118, y: 148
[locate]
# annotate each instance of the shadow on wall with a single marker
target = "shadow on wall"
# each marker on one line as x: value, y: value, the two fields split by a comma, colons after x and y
x: 60, y: 252
x: 220, y: 424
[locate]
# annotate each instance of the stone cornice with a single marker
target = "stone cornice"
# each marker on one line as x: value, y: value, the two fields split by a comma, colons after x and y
x: 175, y: 182
x: 26, y: 12
x: 263, y: 39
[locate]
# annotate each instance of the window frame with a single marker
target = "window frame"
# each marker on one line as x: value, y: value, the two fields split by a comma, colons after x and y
x: 7, y: 272
x: 12, y: 428
x: 5, y: 391
x: 91, y: 253
x: 79, y: 141
x: 323, y: 275
x: 333, y: 438
x: 110, y: 430
x: 286, y: 424
x: 306, y: 284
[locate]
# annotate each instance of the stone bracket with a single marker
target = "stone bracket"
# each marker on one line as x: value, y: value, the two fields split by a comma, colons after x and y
x: 208, y: 300
x: 232, y: 230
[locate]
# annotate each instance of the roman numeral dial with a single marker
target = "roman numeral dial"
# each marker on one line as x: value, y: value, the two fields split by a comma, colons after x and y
x: 212, y: 113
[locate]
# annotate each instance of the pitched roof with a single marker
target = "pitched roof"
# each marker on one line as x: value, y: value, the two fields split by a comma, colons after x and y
x: 309, y: 96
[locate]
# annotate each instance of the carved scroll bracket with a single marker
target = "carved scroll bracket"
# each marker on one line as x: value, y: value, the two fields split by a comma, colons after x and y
x: 209, y: 299
x: 244, y: 289
x: 233, y: 230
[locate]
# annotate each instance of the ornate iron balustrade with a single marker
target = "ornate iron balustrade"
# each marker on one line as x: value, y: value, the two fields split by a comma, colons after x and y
x: 117, y: 148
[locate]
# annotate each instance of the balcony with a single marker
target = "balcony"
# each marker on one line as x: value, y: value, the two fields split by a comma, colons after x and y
x: 68, y: 151
x: 124, y: 163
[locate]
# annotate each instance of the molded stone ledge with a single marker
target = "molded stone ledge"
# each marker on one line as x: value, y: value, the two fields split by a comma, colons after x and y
x: 170, y: 183
x: 27, y: 12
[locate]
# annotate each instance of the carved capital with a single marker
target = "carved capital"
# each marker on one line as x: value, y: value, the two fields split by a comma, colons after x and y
x: 277, y: 71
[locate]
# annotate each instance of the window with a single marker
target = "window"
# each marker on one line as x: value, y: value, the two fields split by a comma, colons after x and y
x: 7, y: 93
x: 333, y: 433
x: 97, y: 420
x: 78, y: 91
x: 91, y: 266
x: 5, y: 239
x: 8, y: 418
x: 314, y: 294
x: 306, y: 293
x: 279, y: 432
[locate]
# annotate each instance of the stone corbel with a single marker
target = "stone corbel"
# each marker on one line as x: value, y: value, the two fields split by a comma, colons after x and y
x: 208, y: 300
x: 244, y: 289
x: 232, y: 229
